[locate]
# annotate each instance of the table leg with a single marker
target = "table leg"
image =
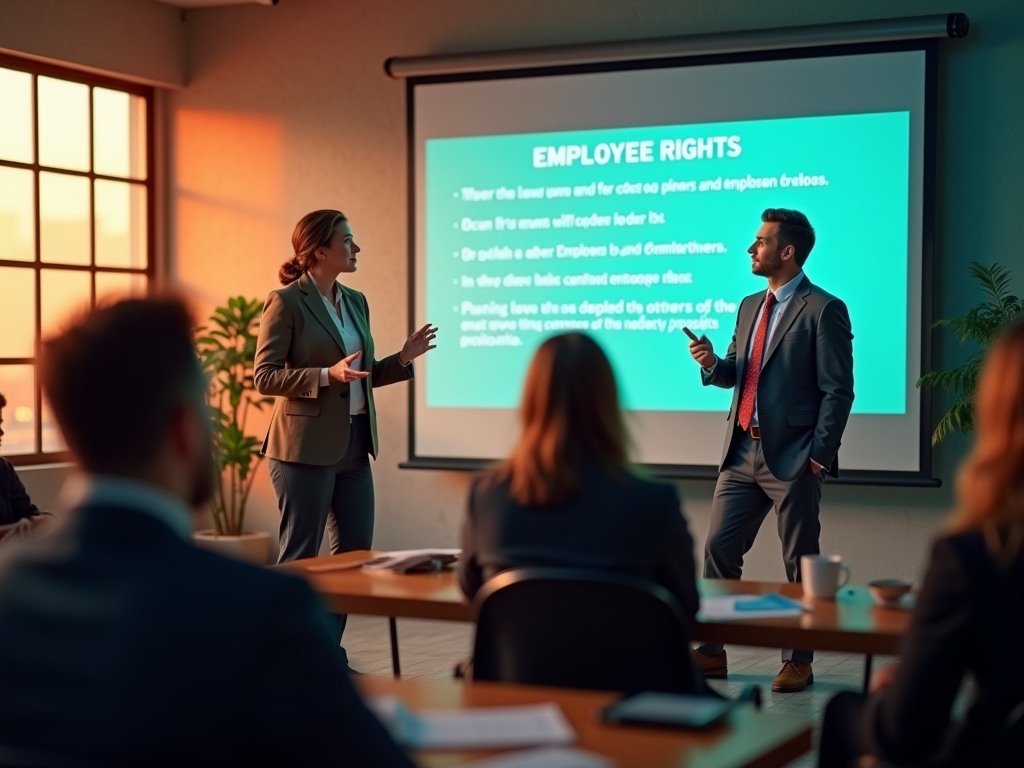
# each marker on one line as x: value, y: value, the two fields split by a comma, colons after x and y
x: 396, y: 667
x: 868, y: 658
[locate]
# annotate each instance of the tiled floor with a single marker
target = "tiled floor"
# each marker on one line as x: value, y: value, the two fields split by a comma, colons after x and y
x: 429, y: 649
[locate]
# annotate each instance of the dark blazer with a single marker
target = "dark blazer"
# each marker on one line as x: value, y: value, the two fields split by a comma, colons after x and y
x: 969, y: 619
x: 628, y: 525
x: 15, y: 504
x: 805, y: 390
x: 125, y: 645
x: 297, y: 339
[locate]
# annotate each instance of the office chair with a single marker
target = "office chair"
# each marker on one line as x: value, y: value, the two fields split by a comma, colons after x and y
x: 582, y: 628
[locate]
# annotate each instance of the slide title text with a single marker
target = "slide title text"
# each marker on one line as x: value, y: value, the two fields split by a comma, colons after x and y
x: 630, y: 152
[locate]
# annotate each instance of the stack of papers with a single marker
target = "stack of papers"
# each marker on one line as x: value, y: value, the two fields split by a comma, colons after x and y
x: 737, y: 607
x: 480, y: 728
x: 398, y: 559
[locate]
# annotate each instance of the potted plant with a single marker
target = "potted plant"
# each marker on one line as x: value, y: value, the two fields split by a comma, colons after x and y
x: 227, y: 351
x: 982, y: 325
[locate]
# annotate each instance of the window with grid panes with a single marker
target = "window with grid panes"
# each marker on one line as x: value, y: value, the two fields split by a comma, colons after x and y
x: 76, y: 222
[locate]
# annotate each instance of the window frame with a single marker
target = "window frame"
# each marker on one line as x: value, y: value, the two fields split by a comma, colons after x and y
x: 39, y: 69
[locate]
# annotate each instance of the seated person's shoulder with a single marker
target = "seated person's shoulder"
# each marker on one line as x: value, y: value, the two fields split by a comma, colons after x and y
x: 246, y: 584
x: 631, y: 492
x: 487, y: 489
x: 266, y: 605
x: 997, y: 547
x: 648, y: 488
x: 964, y: 546
x: 16, y: 506
x: 618, y: 490
x: 8, y: 478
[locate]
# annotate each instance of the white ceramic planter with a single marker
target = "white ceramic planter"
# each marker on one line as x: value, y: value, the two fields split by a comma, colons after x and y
x: 250, y: 547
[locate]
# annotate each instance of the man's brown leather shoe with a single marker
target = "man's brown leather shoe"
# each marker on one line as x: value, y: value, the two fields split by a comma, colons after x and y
x: 713, y: 665
x: 794, y: 677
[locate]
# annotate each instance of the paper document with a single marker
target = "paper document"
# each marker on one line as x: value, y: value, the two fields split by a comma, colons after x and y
x: 738, y: 607
x: 478, y: 728
x: 546, y: 758
x: 386, y: 560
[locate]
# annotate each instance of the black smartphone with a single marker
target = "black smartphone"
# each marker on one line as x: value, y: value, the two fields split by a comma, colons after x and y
x: 673, y: 710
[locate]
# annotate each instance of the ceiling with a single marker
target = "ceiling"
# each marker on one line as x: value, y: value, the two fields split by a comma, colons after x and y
x: 212, y: 3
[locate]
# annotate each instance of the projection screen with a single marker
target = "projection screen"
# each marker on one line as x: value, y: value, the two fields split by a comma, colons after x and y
x: 620, y: 201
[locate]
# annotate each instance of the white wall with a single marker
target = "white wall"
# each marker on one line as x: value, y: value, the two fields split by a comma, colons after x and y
x: 138, y: 40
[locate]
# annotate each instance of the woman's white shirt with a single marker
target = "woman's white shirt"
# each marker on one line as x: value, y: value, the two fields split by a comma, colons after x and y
x: 353, y: 343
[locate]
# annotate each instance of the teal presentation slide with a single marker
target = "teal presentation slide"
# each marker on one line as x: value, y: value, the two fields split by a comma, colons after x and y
x: 632, y: 234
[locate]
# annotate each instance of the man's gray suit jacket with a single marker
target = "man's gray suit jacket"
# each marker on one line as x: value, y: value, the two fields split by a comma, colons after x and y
x: 805, y: 390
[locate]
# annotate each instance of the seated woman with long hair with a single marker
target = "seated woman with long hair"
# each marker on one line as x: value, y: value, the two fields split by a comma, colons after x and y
x: 970, y: 612
x: 567, y: 496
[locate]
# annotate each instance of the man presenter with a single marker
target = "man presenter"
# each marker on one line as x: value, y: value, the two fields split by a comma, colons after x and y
x: 791, y: 364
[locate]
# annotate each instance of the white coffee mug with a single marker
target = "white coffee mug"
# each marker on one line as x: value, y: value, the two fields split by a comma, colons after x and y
x: 820, y: 575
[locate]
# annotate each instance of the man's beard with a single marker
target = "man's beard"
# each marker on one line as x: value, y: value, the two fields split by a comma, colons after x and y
x: 766, y: 266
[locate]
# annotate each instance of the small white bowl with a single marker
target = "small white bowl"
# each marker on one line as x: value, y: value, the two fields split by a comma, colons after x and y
x: 888, y: 591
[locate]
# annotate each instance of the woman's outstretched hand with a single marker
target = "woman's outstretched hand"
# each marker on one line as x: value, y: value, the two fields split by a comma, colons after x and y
x: 341, y: 372
x: 418, y: 344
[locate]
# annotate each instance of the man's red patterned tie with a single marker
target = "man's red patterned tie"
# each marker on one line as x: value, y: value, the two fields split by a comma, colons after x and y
x: 754, y: 364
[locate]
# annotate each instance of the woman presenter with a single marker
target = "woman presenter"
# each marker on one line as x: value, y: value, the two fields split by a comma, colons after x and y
x: 315, y: 355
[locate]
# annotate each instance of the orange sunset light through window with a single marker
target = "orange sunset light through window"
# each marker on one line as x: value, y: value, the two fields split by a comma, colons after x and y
x: 74, y: 221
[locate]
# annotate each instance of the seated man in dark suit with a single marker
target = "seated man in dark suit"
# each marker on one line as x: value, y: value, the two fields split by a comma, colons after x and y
x: 17, y: 512
x: 121, y: 643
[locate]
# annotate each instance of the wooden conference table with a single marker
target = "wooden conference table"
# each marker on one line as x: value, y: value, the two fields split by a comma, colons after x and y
x: 748, y: 739
x: 851, y: 623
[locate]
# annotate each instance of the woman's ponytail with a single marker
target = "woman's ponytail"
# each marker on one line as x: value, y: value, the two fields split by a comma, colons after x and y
x: 290, y: 271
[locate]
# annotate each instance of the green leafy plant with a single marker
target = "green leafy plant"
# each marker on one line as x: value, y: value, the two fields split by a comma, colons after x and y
x: 981, y: 326
x: 227, y: 351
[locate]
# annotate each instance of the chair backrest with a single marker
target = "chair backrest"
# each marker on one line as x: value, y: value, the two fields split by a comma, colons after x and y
x: 1009, y: 747
x: 581, y: 628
